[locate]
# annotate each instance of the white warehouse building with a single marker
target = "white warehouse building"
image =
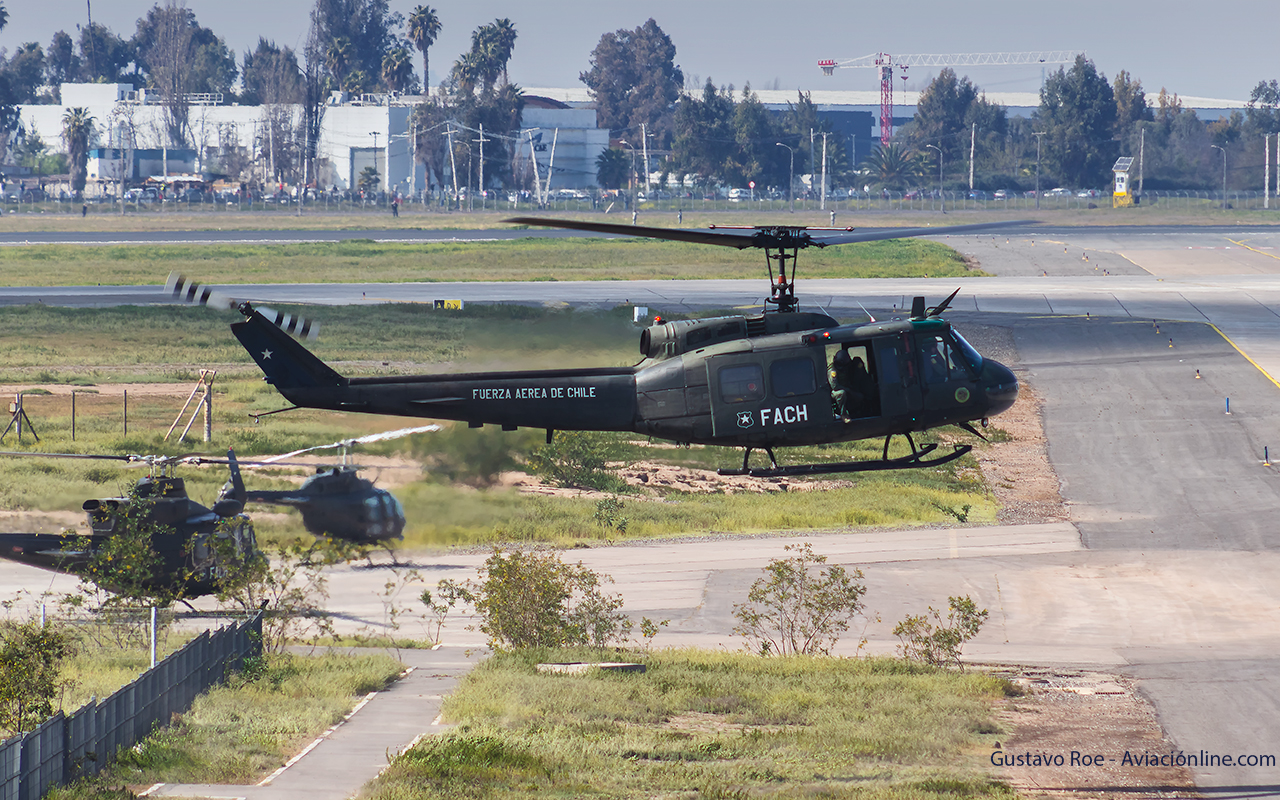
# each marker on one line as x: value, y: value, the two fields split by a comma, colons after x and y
x: 373, y: 131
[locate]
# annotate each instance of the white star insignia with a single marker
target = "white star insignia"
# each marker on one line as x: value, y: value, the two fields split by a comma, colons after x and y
x: 266, y: 354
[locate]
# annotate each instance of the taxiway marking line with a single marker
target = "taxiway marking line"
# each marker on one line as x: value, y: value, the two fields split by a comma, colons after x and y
x: 1246, y: 355
x: 1254, y: 249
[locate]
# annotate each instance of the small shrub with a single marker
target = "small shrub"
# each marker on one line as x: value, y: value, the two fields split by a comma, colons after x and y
x: 577, y: 459
x: 31, y: 658
x: 790, y: 611
x: 529, y: 599
x: 937, y: 641
x: 609, y: 514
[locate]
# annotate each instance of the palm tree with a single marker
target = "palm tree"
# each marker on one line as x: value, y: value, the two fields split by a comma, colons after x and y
x: 503, y: 42
x: 424, y: 27
x: 338, y: 59
x: 893, y: 165
x: 397, y: 69
x: 77, y: 130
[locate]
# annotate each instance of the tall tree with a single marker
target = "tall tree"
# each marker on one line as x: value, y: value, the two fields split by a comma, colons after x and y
x: 397, y: 70
x: 1131, y: 102
x: 1263, y: 112
x: 77, y: 135
x: 503, y: 43
x: 104, y: 55
x: 26, y: 69
x: 704, y: 136
x: 368, y: 26
x: 634, y: 79
x: 1078, y: 112
x: 61, y: 62
x: 271, y: 75
x: 757, y: 156
x: 424, y: 27
x: 941, y: 113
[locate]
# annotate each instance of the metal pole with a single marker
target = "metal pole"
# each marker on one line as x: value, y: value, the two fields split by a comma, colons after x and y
x: 1142, y: 150
x: 973, y: 138
x: 1038, y: 135
x: 153, y: 637
x: 824, y: 172
x: 73, y: 415
x: 126, y: 412
x: 1266, y: 176
x: 644, y: 146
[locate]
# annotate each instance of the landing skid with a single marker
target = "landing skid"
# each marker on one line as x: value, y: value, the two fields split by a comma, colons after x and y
x: 914, y: 460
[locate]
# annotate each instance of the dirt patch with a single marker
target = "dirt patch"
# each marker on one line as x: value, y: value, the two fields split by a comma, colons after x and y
x: 1016, y: 466
x: 107, y: 389
x: 652, y: 480
x: 1090, y: 715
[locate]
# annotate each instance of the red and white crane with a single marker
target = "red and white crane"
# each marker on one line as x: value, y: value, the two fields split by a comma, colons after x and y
x: 885, y: 63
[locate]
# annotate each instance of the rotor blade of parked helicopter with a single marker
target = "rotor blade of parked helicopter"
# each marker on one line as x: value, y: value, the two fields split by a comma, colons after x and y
x: 68, y: 455
x: 740, y: 238
x: 764, y: 235
x: 186, y: 290
x: 372, y: 437
x: 826, y: 237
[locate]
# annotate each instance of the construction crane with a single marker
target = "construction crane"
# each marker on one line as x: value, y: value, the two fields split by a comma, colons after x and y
x: 885, y: 63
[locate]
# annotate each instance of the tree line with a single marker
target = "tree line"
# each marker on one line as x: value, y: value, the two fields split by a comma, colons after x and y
x: 691, y: 128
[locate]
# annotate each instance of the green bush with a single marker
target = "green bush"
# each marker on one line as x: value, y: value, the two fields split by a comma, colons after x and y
x: 577, y: 459
x: 937, y: 641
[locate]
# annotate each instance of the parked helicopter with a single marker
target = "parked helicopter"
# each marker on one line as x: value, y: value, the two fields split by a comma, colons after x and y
x: 188, y: 538
x: 759, y: 382
x: 335, y: 501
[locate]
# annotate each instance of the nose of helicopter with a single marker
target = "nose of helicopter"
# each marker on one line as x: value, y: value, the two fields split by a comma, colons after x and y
x: 1000, y: 385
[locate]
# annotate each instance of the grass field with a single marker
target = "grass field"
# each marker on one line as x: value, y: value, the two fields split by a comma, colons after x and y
x: 531, y: 259
x: 708, y: 724
x: 239, y: 732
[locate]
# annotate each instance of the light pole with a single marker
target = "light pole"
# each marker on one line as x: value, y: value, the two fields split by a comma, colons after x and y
x: 374, y: 134
x: 941, y: 198
x: 1224, y: 174
x: 791, y: 176
x: 631, y: 184
x: 1038, y: 135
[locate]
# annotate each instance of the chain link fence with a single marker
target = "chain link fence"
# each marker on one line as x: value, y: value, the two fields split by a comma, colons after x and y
x: 67, y: 747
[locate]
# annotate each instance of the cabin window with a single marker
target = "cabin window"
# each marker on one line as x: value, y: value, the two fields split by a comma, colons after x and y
x: 970, y: 354
x: 792, y: 377
x: 940, y: 359
x: 743, y: 383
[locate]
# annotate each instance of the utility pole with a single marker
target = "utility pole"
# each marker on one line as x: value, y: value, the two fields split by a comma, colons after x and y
x: 453, y: 164
x: 824, y: 172
x: 812, y: 161
x: 973, y: 138
x: 1223, y: 148
x: 481, y: 140
x: 1266, y: 176
x: 1142, y: 146
x: 1039, y: 134
x: 644, y: 144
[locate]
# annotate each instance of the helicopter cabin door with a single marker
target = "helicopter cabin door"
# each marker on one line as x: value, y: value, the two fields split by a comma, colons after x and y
x: 944, y: 371
x: 899, y: 379
x: 768, y: 393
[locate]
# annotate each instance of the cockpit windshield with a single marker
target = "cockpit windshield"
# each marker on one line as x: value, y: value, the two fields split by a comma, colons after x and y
x: 970, y: 354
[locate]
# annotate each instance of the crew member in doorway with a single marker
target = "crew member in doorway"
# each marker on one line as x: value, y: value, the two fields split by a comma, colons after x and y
x: 852, y: 387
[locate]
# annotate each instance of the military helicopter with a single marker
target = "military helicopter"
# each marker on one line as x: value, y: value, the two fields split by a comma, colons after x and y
x: 188, y: 538
x: 757, y: 382
x: 335, y: 501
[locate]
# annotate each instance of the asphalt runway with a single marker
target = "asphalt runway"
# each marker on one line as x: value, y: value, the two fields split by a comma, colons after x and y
x: 1167, y: 569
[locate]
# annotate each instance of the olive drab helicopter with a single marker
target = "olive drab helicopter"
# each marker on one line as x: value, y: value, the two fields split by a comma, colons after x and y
x: 334, y: 502
x: 195, y: 545
x: 757, y: 382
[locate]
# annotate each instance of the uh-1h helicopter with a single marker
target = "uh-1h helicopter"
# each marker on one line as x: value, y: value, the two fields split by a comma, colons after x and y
x: 195, y: 546
x: 756, y: 382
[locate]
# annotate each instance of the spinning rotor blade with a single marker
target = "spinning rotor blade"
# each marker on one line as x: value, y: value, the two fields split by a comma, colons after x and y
x: 189, y: 291
x: 762, y: 235
x: 372, y: 437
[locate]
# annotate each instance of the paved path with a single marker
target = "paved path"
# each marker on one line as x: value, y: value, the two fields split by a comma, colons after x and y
x: 356, y: 752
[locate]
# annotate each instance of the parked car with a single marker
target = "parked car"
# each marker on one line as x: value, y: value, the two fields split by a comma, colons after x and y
x: 1000, y: 194
x: 1058, y: 192
x: 977, y: 194
x: 1087, y: 193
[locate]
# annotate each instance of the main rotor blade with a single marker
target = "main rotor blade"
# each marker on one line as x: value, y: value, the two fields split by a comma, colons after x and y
x: 69, y: 455
x: 188, y: 291
x: 740, y: 238
x: 763, y: 235
x: 821, y: 238
x: 372, y: 437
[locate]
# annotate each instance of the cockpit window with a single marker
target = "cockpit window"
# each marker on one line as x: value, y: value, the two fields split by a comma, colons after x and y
x: 967, y: 350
